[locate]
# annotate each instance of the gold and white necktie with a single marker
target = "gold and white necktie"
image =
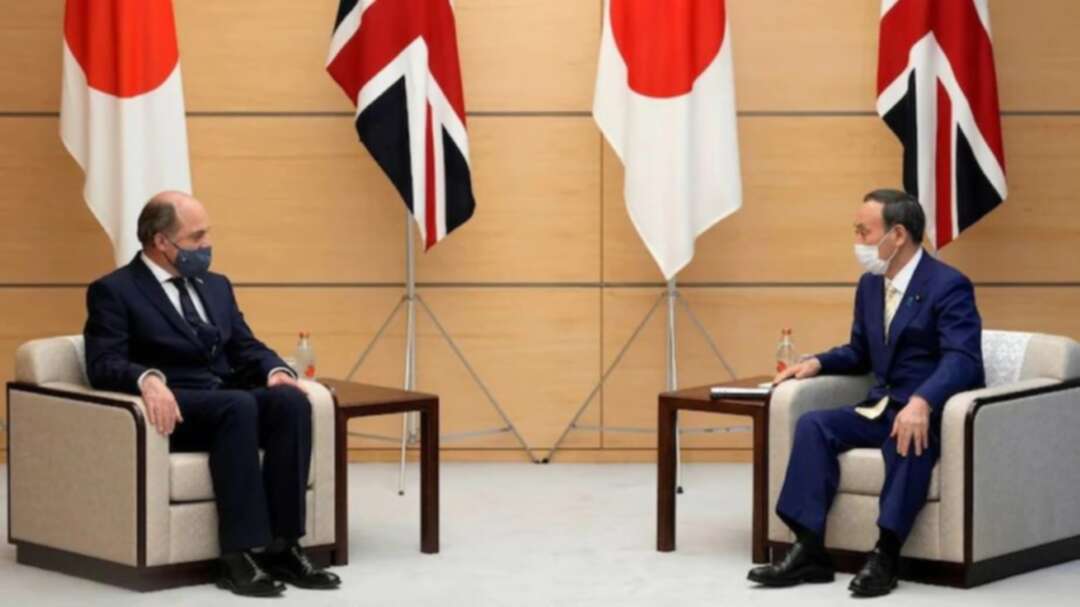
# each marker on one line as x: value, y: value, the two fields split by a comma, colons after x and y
x: 892, y: 302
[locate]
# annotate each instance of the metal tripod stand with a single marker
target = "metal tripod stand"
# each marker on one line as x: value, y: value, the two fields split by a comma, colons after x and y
x: 410, y: 300
x: 672, y: 296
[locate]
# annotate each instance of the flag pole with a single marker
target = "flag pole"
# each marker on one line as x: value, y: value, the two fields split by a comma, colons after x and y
x: 408, y: 420
x: 671, y: 296
x: 410, y: 300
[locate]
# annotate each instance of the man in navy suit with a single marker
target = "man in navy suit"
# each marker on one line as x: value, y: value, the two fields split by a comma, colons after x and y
x: 166, y: 328
x: 918, y: 331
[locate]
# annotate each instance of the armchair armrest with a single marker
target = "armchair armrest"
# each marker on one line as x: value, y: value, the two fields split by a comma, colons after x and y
x: 323, y: 448
x: 87, y: 473
x: 1009, y: 453
x: 789, y: 401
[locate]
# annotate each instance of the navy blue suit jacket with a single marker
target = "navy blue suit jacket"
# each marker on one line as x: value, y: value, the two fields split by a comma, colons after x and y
x: 132, y: 326
x: 934, y: 348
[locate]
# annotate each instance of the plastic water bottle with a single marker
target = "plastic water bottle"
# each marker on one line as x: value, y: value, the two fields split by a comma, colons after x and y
x: 785, y: 351
x: 305, y: 357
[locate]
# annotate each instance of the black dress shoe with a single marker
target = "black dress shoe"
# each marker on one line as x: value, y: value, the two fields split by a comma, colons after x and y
x: 878, y: 575
x: 291, y: 565
x: 241, y: 574
x: 802, y: 564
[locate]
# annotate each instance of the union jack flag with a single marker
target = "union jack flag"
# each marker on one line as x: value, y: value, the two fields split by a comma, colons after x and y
x: 398, y: 62
x: 937, y: 91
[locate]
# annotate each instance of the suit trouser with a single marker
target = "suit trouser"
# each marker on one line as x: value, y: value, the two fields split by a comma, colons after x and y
x: 253, y: 506
x: 813, y: 472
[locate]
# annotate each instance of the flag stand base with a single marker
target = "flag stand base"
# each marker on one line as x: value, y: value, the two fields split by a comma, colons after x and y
x: 410, y: 434
x: 672, y: 296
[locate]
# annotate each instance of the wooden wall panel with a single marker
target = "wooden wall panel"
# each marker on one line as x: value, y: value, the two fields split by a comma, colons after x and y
x: 803, y: 178
x: 820, y: 55
x: 744, y: 322
x: 312, y: 231
x: 296, y: 200
x: 537, y: 350
x: 812, y: 55
x: 30, y: 47
x: 47, y: 233
x: 300, y: 200
x: 536, y: 182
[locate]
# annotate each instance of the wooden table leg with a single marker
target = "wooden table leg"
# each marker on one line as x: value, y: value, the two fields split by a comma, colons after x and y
x: 429, y: 478
x: 341, y: 492
x: 665, y: 476
x: 760, y: 553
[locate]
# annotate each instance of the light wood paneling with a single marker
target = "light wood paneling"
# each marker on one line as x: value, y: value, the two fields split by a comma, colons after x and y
x: 47, y: 233
x: 300, y: 200
x: 296, y: 200
x: 30, y: 47
x: 537, y: 183
x: 272, y: 54
x: 812, y: 55
x: 746, y: 323
x: 528, y: 56
x: 803, y: 178
x: 819, y: 55
x: 1037, y: 54
x: 1033, y: 235
x: 537, y: 350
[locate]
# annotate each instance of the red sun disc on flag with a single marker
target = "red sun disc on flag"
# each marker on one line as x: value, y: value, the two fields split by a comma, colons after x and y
x: 125, y: 47
x: 667, y: 44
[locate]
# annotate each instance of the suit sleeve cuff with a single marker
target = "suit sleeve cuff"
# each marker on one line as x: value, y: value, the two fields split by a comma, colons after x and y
x: 148, y: 373
x: 285, y: 370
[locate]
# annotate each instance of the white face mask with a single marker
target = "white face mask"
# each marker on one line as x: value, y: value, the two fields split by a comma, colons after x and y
x: 870, y: 259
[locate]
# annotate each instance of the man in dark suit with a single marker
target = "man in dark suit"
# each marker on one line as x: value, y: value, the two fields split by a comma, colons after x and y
x: 918, y: 331
x: 166, y: 328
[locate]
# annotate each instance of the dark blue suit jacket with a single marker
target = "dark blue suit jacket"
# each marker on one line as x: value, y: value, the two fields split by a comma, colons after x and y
x: 935, y: 341
x: 132, y: 326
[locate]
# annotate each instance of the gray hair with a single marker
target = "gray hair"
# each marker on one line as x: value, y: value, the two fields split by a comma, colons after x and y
x: 900, y: 208
x: 157, y: 216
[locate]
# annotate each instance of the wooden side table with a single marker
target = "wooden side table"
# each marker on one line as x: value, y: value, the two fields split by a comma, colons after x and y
x: 362, y: 400
x: 698, y: 399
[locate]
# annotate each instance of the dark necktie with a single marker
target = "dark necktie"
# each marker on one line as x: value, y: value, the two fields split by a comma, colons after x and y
x: 206, y: 332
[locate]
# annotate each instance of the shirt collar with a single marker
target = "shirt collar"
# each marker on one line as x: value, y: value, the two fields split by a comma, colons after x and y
x: 903, y: 278
x: 161, y: 274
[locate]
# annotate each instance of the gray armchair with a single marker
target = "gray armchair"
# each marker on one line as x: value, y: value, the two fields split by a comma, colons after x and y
x: 1004, y: 496
x: 94, y: 491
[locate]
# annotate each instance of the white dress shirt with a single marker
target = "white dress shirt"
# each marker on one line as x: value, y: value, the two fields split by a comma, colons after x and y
x: 902, y: 279
x: 171, y: 289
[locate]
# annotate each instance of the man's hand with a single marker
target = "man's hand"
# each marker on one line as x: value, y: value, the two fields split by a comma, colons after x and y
x: 912, y: 424
x: 802, y: 370
x: 281, y: 378
x: 161, y: 405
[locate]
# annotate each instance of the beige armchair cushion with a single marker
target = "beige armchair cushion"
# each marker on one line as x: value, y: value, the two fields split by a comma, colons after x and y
x: 51, y: 360
x: 189, y: 477
x: 862, y: 471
